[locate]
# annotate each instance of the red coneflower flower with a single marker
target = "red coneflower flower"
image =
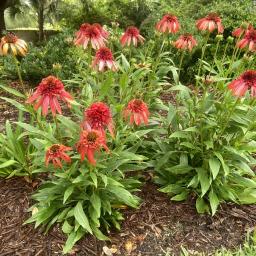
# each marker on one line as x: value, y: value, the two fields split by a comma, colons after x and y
x: 98, y: 117
x: 103, y: 32
x: 238, y: 32
x: 248, y: 40
x: 56, y: 153
x: 246, y: 81
x: 47, y: 94
x: 104, y: 60
x: 138, y: 112
x: 185, y: 42
x: 131, y: 35
x: 11, y: 44
x: 211, y: 22
x: 90, y: 142
x: 90, y: 33
x: 169, y: 23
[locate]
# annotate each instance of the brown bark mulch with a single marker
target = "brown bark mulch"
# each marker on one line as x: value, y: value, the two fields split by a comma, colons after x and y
x: 157, y: 227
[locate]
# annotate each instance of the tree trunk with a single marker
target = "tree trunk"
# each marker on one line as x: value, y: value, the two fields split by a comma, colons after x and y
x: 3, y: 6
x: 41, y: 20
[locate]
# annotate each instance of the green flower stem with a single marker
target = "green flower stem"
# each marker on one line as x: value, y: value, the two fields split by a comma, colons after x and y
x: 236, y: 53
x: 225, y: 51
x: 202, y: 56
x: 228, y: 118
x: 216, y: 51
x: 181, y: 61
x: 56, y: 127
x: 19, y: 74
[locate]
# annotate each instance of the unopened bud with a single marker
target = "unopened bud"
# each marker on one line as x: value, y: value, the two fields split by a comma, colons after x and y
x: 219, y: 37
x: 230, y: 39
x: 57, y: 66
x: 244, y: 25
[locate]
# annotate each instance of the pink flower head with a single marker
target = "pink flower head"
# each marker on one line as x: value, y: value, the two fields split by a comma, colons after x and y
x: 98, y: 117
x: 131, y: 35
x: 169, y: 23
x: 246, y: 81
x: 90, y: 33
x: 238, y: 32
x: 103, y: 32
x: 55, y: 154
x: 47, y: 94
x: 138, y: 112
x: 90, y: 142
x: 211, y: 22
x: 248, y: 40
x: 104, y: 60
x: 185, y: 42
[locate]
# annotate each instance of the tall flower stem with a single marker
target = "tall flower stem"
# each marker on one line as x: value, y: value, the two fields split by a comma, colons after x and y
x: 228, y: 118
x: 216, y: 51
x: 225, y: 51
x: 202, y: 56
x: 56, y: 127
x: 181, y: 61
x: 19, y: 74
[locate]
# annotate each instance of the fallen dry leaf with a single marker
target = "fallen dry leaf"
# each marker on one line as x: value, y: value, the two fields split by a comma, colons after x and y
x: 129, y: 246
x: 107, y: 251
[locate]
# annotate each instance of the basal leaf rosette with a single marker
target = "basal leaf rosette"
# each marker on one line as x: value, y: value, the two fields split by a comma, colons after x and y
x: 207, y: 150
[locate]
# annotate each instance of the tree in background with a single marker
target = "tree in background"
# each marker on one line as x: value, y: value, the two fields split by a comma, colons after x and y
x: 41, y: 9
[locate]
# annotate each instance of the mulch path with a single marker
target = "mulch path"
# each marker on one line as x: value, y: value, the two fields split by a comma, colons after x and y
x: 157, y: 227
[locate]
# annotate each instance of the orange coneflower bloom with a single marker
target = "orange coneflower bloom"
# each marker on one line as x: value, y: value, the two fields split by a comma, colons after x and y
x: 11, y: 44
x: 248, y: 40
x: 185, y: 42
x: 238, y: 32
x: 90, y: 33
x: 98, y: 117
x: 131, y: 35
x: 246, y: 81
x: 56, y: 153
x: 90, y: 142
x: 211, y: 22
x: 138, y: 112
x: 47, y: 94
x: 169, y: 23
x: 103, y: 32
x: 104, y: 60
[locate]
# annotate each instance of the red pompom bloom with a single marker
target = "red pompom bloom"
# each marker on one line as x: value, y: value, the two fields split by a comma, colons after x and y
x: 47, y: 94
x: 246, y: 81
x: 103, y: 32
x: 248, y: 40
x: 90, y: 142
x: 98, y: 117
x: 131, y: 35
x: 185, y: 42
x: 104, y: 60
x: 138, y: 112
x: 90, y: 33
x: 211, y: 22
x: 56, y: 153
x: 169, y: 23
x: 238, y: 32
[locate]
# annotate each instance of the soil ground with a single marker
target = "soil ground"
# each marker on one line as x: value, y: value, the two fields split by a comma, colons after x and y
x: 159, y: 226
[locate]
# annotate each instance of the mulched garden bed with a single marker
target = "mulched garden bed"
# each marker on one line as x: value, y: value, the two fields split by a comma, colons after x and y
x: 158, y: 226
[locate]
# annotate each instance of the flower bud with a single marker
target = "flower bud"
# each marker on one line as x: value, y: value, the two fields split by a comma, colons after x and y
x: 230, y: 39
x: 57, y: 66
x: 219, y: 37
x: 244, y: 25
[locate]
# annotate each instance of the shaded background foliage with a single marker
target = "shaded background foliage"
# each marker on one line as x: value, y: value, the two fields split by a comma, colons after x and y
x: 68, y: 15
